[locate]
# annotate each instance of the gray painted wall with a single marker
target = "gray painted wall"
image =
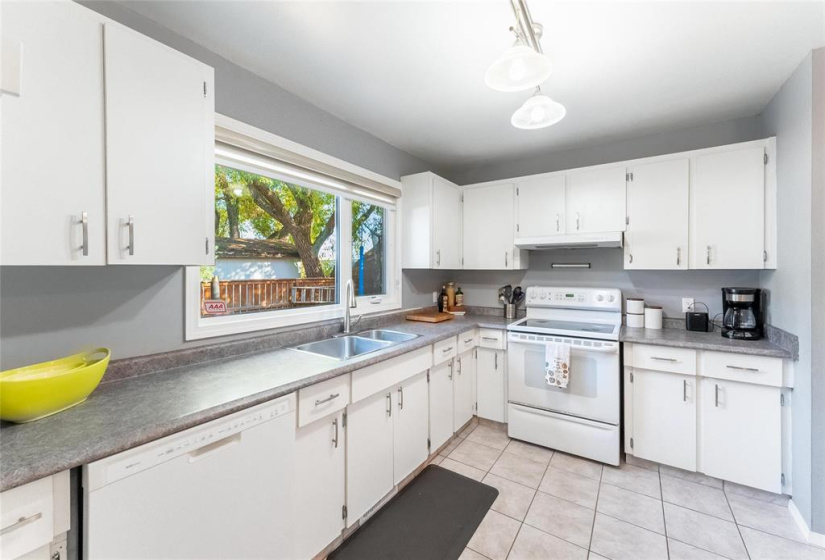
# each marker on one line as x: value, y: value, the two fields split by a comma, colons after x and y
x: 789, y: 117
x: 704, y: 136
x: 47, y: 312
x: 818, y: 300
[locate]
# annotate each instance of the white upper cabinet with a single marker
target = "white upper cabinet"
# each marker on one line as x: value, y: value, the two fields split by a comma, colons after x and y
x: 540, y: 206
x: 489, y: 229
x: 657, y: 212
x: 160, y: 152
x: 596, y: 200
x: 53, y: 191
x: 432, y: 222
x: 727, y: 208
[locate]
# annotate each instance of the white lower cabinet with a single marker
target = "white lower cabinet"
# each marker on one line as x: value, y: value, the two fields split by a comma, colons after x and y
x: 664, y: 418
x: 491, y: 384
x: 34, y: 517
x: 441, y: 403
x: 319, y: 484
x: 369, y: 453
x: 410, y: 426
x: 741, y: 433
x: 463, y: 394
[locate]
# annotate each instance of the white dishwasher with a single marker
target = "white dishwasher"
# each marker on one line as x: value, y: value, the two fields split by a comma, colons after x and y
x: 222, y: 490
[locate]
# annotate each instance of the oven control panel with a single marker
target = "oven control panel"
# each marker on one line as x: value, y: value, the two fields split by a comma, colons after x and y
x: 581, y: 298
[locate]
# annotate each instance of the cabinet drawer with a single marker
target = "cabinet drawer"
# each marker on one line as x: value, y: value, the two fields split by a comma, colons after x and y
x: 663, y: 358
x: 26, y: 518
x: 491, y: 338
x: 378, y: 377
x: 467, y: 341
x: 741, y: 367
x: 445, y: 350
x: 322, y: 399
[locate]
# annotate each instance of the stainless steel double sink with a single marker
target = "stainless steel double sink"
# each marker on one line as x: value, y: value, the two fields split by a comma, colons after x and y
x: 350, y: 346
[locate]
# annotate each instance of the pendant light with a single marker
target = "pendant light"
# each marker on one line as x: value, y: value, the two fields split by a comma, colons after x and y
x: 538, y: 111
x: 517, y: 69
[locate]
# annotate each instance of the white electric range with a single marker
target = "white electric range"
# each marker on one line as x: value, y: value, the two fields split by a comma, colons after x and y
x: 583, y: 418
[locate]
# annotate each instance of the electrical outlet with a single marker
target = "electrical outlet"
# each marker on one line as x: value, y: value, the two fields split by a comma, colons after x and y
x: 435, y: 297
x: 687, y: 304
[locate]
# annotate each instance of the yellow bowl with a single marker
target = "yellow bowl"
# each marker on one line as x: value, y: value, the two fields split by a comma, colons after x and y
x: 34, y: 392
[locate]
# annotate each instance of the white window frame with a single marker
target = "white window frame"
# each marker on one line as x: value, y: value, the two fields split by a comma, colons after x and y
x: 198, y: 327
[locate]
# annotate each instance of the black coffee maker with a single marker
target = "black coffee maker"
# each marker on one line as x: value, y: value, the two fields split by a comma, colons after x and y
x: 742, y: 313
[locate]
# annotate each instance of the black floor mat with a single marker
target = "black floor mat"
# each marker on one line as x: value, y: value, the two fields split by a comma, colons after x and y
x: 432, y: 518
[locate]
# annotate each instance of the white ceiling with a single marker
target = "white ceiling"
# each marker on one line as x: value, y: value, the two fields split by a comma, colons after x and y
x: 412, y: 73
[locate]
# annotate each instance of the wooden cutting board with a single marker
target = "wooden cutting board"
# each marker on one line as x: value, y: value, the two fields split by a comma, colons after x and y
x: 429, y: 316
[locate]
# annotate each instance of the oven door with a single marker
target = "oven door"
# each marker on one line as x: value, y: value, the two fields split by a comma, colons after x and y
x: 593, y: 389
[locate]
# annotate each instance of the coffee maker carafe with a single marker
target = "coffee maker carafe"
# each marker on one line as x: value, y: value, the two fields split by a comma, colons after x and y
x: 742, y: 313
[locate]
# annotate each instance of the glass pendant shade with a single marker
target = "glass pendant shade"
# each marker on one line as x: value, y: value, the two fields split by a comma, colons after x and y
x: 538, y: 111
x: 517, y: 69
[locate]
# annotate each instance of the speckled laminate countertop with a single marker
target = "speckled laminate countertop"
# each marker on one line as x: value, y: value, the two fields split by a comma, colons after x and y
x: 680, y: 338
x: 124, y: 414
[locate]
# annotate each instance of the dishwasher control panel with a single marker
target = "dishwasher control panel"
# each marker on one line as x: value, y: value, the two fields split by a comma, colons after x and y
x: 194, y: 442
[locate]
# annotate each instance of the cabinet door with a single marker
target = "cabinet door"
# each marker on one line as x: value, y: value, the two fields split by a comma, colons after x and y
x: 490, y: 384
x: 369, y: 453
x: 664, y: 418
x: 441, y: 404
x: 160, y: 153
x: 52, y: 136
x: 447, y: 225
x: 596, y: 200
x: 657, y: 210
x: 464, y: 401
x: 741, y: 433
x: 488, y: 228
x: 319, y: 480
x: 410, y: 425
x: 728, y: 209
x: 540, y: 203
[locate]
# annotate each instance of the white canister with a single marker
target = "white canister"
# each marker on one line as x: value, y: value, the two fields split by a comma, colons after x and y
x: 635, y: 320
x: 653, y: 317
x: 635, y: 306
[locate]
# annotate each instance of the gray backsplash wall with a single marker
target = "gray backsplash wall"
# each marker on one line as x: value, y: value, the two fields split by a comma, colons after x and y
x: 47, y: 312
x: 789, y: 116
x: 665, y: 288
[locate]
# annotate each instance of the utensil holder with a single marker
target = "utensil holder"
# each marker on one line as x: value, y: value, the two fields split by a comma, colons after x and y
x: 509, y: 311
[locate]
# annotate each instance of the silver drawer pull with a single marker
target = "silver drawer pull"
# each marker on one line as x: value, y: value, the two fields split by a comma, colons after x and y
x: 674, y: 360
x: 22, y: 522
x: 743, y: 368
x: 448, y: 349
x: 494, y: 339
x: 326, y: 400
x: 468, y: 341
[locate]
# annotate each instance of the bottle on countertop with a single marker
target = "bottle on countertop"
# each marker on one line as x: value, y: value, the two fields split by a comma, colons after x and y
x: 450, y: 295
x: 442, y: 299
x: 459, y: 298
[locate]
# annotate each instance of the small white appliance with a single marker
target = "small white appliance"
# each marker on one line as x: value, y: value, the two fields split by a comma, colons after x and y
x: 220, y: 490
x: 583, y: 418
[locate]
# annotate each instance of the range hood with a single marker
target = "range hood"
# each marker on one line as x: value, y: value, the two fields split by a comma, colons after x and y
x: 571, y: 241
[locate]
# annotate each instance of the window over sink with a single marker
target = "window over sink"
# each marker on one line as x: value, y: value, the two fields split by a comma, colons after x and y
x: 288, y: 237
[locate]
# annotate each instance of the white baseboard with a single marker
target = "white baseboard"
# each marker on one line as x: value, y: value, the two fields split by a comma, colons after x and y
x: 816, y: 539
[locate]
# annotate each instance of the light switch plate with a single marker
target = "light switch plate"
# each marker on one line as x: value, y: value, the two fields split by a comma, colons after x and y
x: 687, y: 304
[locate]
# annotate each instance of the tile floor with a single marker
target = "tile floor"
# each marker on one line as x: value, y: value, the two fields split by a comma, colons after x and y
x: 556, y: 506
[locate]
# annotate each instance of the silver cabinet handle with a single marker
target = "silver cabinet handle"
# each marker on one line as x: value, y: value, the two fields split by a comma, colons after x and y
x: 684, y: 390
x: 459, y: 365
x: 445, y: 350
x: 558, y: 226
x: 450, y: 375
x: 438, y: 258
x: 494, y: 339
x: 678, y: 256
x: 496, y: 360
x: 631, y: 257
x: 577, y: 221
x: 674, y: 360
x: 389, y: 404
x: 22, y: 522
x: 505, y: 259
x: 708, y: 255
x: 716, y: 395
x: 131, y: 225
x: 84, y: 224
x: 468, y: 341
x: 740, y: 368
x: 335, y: 437
x: 326, y: 400
x: 401, y: 398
